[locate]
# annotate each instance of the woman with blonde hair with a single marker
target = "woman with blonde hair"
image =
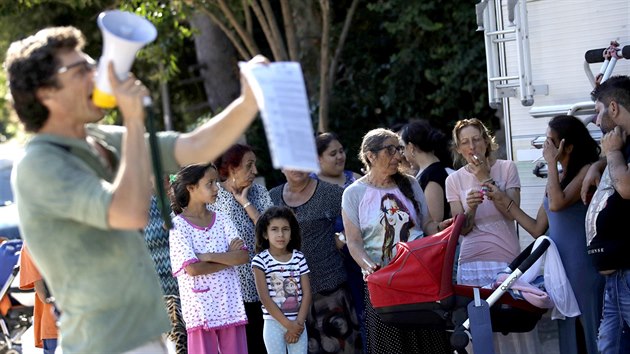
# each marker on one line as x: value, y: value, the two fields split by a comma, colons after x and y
x: 489, y: 241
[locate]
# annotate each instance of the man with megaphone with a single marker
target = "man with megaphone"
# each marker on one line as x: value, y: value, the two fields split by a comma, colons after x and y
x: 83, y: 190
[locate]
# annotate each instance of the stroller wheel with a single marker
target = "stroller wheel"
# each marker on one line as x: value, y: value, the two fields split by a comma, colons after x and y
x: 459, y: 339
x: 13, y: 351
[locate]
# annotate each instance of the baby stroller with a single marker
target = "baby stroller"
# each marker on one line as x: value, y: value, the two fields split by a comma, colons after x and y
x: 416, y: 289
x: 16, y: 306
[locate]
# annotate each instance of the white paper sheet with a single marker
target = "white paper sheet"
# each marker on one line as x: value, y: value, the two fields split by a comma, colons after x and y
x: 281, y: 95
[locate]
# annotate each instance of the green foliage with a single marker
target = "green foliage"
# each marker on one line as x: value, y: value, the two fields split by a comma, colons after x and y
x: 163, y: 60
x: 22, y: 18
x: 402, y: 59
x: 169, y: 20
x: 409, y: 59
x: 172, y: 49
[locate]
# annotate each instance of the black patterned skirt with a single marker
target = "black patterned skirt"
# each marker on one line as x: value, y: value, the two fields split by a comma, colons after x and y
x: 332, y: 324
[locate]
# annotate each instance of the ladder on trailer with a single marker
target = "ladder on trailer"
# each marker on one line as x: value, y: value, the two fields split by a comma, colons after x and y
x: 501, y: 84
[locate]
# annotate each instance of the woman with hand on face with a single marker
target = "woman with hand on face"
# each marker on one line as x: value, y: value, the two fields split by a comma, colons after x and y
x: 317, y: 206
x: 563, y: 213
x: 489, y: 241
x: 242, y: 201
x: 381, y: 209
x: 332, y: 161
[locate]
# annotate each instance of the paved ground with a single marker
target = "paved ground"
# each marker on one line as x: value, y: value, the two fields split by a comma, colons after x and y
x: 547, y: 331
x: 28, y: 346
x: 548, y: 334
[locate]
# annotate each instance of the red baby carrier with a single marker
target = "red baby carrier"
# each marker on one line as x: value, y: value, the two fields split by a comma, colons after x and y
x: 416, y: 289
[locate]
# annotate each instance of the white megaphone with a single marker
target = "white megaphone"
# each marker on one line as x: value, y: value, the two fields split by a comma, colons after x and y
x: 123, y: 35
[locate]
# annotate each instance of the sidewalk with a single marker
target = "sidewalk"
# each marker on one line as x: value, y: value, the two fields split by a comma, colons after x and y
x: 548, y: 334
x: 28, y: 346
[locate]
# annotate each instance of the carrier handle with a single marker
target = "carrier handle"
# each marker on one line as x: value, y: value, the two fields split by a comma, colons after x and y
x: 521, y: 257
x: 533, y: 257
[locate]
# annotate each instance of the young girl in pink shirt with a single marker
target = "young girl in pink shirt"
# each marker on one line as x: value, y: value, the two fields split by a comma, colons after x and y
x: 204, y: 248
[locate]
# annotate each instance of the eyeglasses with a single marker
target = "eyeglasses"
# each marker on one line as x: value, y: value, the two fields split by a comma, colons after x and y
x: 85, y: 66
x: 391, y: 149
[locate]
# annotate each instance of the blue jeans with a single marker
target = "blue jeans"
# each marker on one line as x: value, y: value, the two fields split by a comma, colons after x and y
x: 614, y: 330
x: 49, y: 346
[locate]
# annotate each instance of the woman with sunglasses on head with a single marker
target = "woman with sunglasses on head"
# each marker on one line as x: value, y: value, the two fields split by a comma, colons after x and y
x: 380, y: 209
x: 489, y: 241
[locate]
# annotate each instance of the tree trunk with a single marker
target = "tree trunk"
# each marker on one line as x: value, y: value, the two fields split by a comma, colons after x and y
x: 324, y: 86
x: 216, y: 57
x: 308, y: 29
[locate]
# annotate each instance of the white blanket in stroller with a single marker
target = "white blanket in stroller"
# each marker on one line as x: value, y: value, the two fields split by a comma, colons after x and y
x: 559, y: 293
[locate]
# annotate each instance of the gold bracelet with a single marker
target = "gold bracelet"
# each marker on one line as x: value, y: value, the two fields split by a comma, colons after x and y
x: 246, y: 205
x: 509, y: 206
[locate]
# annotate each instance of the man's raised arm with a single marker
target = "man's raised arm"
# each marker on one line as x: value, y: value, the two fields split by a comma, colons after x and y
x: 210, y: 140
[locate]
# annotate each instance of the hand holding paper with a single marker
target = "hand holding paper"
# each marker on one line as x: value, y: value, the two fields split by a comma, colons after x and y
x: 281, y: 96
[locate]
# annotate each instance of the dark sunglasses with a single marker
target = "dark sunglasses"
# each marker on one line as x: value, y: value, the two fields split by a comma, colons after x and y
x: 391, y: 149
x: 85, y: 66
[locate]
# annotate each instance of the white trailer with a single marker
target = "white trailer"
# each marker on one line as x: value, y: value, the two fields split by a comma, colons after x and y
x: 536, y: 70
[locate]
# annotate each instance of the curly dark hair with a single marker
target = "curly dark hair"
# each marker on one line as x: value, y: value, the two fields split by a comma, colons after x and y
x: 277, y: 212
x: 31, y: 64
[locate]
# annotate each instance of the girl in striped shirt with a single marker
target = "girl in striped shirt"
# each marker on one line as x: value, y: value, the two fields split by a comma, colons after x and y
x: 281, y: 275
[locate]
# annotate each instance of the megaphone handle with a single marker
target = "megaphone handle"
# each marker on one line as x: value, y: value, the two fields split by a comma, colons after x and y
x: 157, y: 169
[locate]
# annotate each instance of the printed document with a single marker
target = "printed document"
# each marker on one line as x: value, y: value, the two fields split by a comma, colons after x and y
x: 281, y: 96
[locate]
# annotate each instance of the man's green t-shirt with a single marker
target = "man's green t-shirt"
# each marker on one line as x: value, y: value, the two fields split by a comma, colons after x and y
x: 103, y: 280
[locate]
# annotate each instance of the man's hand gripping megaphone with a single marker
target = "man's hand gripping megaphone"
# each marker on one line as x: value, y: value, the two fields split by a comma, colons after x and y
x: 130, y: 95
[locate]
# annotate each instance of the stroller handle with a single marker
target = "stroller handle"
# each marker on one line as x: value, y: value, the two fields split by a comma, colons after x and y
x: 521, y: 257
x: 533, y: 256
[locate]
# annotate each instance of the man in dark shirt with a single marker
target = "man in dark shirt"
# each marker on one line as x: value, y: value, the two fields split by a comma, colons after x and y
x: 608, y: 243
